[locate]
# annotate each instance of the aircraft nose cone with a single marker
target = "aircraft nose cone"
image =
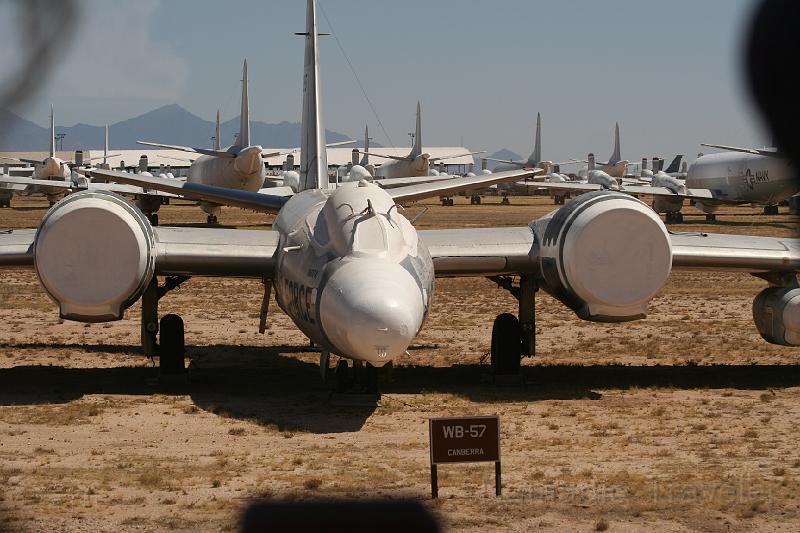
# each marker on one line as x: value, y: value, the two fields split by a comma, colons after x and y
x: 371, y: 310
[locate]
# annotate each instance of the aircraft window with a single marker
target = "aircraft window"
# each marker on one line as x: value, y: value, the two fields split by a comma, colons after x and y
x: 370, y: 235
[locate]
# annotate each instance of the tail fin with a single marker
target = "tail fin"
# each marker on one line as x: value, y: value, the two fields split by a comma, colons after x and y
x: 216, y: 133
x: 536, y: 157
x: 313, y: 154
x: 643, y: 167
x: 591, y: 164
x: 105, y: 147
x: 365, y: 160
x: 244, y: 119
x: 675, y: 165
x: 416, y: 150
x: 52, y: 132
x: 615, y: 157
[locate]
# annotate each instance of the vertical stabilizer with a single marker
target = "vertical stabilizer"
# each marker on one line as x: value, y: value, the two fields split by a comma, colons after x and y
x: 536, y: 157
x: 313, y: 154
x: 365, y: 159
x: 244, y: 118
x: 52, y: 132
x: 416, y: 150
x: 105, y: 148
x: 675, y: 166
x: 216, y: 133
x: 615, y: 157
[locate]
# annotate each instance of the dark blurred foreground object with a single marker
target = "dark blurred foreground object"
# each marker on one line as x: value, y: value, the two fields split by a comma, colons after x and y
x: 339, y: 516
x: 44, y: 29
x: 771, y: 54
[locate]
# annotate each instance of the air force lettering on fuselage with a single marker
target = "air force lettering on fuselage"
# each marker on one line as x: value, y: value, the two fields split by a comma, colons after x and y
x: 348, y: 262
x: 751, y: 177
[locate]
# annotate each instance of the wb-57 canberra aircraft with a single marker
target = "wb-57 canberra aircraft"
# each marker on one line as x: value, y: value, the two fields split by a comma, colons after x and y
x: 356, y: 276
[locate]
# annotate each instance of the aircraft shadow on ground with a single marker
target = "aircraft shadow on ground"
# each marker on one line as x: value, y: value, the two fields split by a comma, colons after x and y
x: 261, y: 385
x: 790, y: 225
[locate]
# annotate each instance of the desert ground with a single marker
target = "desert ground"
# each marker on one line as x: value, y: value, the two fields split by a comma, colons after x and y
x: 684, y: 421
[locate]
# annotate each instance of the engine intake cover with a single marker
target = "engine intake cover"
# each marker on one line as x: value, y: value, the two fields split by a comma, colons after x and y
x: 605, y: 255
x: 776, y: 312
x: 94, y: 255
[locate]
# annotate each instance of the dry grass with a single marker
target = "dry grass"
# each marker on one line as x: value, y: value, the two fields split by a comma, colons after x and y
x: 627, y: 425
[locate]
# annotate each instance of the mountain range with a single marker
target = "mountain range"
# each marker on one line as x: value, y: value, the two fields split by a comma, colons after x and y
x: 170, y: 124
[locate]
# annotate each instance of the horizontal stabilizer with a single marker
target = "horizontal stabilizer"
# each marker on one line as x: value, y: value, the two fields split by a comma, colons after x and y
x: 202, y: 151
x: 753, y: 151
x: 453, y: 156
x: 395, y: 157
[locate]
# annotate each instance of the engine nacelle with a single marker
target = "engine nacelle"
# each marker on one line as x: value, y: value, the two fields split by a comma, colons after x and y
x: 604, y: 255
x: 94, y: 254
x: 776, y: 312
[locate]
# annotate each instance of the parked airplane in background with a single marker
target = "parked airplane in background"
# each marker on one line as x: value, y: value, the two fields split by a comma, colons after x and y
x: 357, y: 277
x: 415, y: 164
x: 534, y: 160
x: 615, y: 166
x: 738, y: 176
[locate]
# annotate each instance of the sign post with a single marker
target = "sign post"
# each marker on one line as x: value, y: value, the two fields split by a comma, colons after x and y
x: 464, y: 440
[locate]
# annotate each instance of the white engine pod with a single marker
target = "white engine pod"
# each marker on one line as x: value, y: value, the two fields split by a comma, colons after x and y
x: 605, y: 255
x: 94, y: 254
x: 776, y: 312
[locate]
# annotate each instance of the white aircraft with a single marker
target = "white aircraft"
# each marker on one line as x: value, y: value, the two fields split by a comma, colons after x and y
x: 415, y: 164
x: 356, y: 276
x: 534, y: 160
x: 738, y: 176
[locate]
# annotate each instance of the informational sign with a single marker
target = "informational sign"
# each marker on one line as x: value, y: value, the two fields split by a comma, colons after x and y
x: 464, y: 440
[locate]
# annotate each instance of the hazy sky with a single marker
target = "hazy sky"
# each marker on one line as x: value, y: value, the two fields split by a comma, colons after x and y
x: 668, y: 71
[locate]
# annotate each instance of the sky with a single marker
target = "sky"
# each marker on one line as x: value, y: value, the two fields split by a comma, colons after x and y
x: 668, y: 72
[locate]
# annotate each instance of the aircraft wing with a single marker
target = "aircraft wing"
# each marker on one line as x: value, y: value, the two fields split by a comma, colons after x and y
x: 753, y: 151
x: 382, y: 156
x: 388, y: 183
x: 22, y: 184
x: 179, y: 251
x: 512, y: 251
x: 279, y: 190
x: 411, y: 193
x: 566, y: 186
x: 265, y: 203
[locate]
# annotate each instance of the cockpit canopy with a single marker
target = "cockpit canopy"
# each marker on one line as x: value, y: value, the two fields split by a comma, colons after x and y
x: 361, y: 219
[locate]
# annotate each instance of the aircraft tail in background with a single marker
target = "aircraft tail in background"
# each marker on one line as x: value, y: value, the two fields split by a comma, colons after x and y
x: 536, y: 156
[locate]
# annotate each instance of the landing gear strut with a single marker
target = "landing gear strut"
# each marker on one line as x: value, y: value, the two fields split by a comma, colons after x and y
x: 505, y: 200
x: 674, y: 217
x: 361, y: 379
x: 171, y: 350
x: 514, y: 337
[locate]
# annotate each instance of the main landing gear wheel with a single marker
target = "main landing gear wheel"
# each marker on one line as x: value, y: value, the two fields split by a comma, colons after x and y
x: 342, y: 377
x: 711, y: 217
x: 211, y: 219
x: 172, y: 346
x: 153, y: 218
x: 475, y: 200
x: 770, y: 209
x: 506, y: 345
x: 505, y: 201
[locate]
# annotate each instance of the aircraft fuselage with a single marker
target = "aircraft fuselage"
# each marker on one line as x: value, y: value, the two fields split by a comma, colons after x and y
x: 747, y: 178
x: 244, y: 172
x: 351, y: 272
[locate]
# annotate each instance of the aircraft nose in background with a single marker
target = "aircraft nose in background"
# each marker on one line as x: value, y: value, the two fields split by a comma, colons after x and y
x: 372, y: 310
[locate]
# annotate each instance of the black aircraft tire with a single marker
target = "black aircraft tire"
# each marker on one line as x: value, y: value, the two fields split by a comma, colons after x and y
x: 506, y: 344
x: 154, y: 219
x: 342, y: 381
x: 172, y: 345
